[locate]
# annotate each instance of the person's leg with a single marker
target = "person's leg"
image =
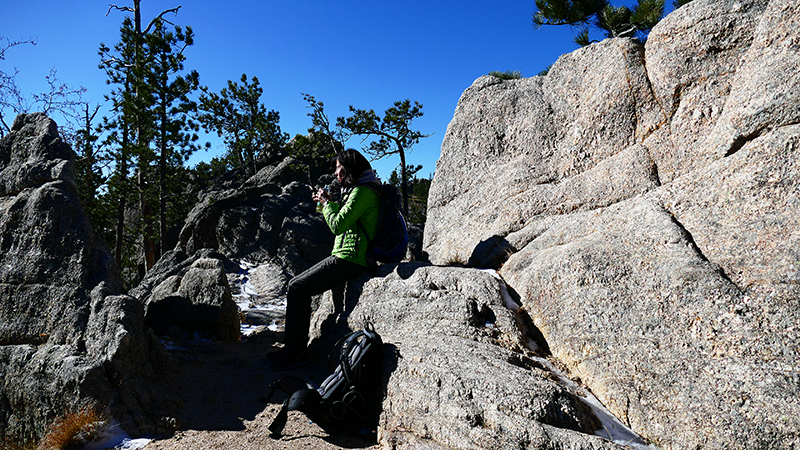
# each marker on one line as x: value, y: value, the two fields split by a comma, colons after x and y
x: 325, y: 275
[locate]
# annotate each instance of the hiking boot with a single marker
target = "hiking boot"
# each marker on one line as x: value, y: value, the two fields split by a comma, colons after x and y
x: 290, y: 360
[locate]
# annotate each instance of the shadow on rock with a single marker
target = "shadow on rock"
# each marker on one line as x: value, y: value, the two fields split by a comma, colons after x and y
x: 296, y: 390
x: 491, y: 253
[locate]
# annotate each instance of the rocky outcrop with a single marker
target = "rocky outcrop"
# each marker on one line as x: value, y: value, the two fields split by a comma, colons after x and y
x: 259, y: 222
x: 642, y: 203
x: 540, y: 147
x: 67, y: 334
x: 694, y: 59
x: 184, y: 295
x: 458, y: 370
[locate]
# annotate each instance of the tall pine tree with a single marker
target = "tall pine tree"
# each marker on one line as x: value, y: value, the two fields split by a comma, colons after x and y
x: 175, y: 131
x: 149, y: 132
x: 120, y: 67
x: 237, y: 115
x: 88, y: 171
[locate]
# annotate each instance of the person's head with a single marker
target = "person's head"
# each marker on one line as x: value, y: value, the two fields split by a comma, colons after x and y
x: 350, y: 164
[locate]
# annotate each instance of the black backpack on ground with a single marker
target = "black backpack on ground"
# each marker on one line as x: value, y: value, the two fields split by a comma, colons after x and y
x: 391, y: 240
x: 349, y: 400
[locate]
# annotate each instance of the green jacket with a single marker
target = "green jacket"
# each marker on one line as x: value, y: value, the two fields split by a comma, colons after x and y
x: 360, y: 204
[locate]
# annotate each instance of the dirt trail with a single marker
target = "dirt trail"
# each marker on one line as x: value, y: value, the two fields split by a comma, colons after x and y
x: 223, y: 386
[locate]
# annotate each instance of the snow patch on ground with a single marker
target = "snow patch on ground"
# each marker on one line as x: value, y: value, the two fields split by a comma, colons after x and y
x: 249, y: 302
x: 113, y: 437
x: 612, y: 429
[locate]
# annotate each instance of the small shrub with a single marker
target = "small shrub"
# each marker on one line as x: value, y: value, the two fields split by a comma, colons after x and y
x: 545, y: 71
x: 507, y: 75
x: 457, y: 261
x: 73, y: 430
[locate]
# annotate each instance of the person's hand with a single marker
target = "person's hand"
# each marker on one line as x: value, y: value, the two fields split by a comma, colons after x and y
x: 321, y: 196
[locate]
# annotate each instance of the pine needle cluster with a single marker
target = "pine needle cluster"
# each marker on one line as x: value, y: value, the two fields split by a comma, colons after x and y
x: 8, y: 444
x: 612, y: 21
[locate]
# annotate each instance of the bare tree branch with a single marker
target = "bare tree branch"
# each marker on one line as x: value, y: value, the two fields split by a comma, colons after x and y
x: 118, y: 8
x: 160, y: 17
x: 9, y: 44
x: 10, y: 94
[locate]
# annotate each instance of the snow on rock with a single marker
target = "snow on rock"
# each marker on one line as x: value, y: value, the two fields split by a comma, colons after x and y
x: 259, y: 292
x: 612, y: 429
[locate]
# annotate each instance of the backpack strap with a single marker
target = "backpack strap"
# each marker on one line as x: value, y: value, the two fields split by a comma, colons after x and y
x: 370, y: 260
x: 279, y: 422
x: 299, y: 398
x: 348, y: 356
x: 303, y: 400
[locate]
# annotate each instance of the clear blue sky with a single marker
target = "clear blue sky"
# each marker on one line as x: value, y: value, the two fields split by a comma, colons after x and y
x: 351, y: 52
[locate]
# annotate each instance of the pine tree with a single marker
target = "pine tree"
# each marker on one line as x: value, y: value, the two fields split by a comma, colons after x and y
x: 317, y: 149
x: 237, y: 115
x: 175, y: 133
x: 119, y: 66
x: 393, y: 132
x: 88, y: 171
x: 143, y: 67
x: 418, y: 192
x: 611, y: 20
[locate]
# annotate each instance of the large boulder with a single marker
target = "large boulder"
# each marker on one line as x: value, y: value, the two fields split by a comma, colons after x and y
x: 192, y: 294
x: 459, y: 373
x: 68, y: 336
x: 183, y: 295
x: 645, y: 210
x: 541, y: 146
x: 260, y: 222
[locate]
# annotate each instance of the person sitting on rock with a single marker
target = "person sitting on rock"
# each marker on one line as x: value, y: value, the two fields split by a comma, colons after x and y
x: 360, y: 203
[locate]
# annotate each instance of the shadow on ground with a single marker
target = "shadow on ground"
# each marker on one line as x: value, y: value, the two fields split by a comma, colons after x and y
x: 223, y: 386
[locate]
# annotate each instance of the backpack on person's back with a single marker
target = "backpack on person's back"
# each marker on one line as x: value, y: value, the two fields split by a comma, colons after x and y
x: 349, y: 400
x: 391, y: 239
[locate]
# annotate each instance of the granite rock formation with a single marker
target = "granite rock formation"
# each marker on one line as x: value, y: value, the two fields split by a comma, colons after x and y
x: 260, y: 221
x: 459, y: 371
x: 185, y: 295
x: 68, y: 334
x: 642, y: 201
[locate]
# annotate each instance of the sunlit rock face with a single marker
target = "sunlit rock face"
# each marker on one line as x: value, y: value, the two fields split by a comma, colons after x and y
x: 458, y: 371
x: 643, y: 201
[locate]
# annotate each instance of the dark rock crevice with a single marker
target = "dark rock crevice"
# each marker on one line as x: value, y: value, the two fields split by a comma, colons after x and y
x: 741, y: 141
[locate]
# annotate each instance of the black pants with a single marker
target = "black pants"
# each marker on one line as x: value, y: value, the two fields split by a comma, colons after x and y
x: 326, y: 274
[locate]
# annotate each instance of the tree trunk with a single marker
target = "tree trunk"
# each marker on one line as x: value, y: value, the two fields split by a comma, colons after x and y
x: 122, y: 171
x: 403, y: 179
x: 144, y: 205
x: 146, y: 214
x: 162, y: 176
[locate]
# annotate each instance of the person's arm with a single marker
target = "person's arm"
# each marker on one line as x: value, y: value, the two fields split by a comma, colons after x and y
x: 341, y: 219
